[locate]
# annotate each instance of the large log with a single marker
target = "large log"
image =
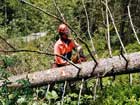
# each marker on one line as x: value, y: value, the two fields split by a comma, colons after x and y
x: 106, y: 67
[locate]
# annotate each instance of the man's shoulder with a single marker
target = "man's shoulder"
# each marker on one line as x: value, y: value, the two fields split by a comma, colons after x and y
x: 58, y: 42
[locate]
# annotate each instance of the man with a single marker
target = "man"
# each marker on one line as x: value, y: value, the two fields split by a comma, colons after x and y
x: 64, y: 46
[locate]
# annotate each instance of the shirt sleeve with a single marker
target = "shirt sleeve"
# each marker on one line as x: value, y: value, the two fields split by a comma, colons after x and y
x: 57, y: 51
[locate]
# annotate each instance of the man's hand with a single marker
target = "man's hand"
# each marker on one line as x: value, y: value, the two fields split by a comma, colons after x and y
x: 77, y: 58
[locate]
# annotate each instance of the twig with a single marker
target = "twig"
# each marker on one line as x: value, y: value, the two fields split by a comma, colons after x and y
x: 81, y: 88
x: 40, y: 52
x: 127, y: 61
x: 95, y: 88
x: 49, y: 14
x: 47, y: 89
x: 115, y: 27
x: 126, y: 66
x: 62, y: 100
x: 7, y: 43
x: 88, y: 28
x: 61, y: 15
x: 108, y: 32
x: 136, y: 36
x: 88, y: 50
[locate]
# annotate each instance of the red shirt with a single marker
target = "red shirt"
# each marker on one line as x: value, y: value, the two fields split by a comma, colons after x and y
x: 64, y: 49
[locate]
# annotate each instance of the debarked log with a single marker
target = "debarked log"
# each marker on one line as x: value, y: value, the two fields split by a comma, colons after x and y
x: 116, y: 65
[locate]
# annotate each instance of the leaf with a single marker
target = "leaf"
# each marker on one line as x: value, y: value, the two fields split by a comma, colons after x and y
x: 21, y: 100
x: 44, y: 104
x: 51, y: 95
x: 54, y: 94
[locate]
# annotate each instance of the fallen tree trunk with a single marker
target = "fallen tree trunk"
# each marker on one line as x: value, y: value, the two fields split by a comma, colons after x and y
x: 106, y: 67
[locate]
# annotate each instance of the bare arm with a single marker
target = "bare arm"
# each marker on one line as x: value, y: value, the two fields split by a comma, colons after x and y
x: 78, y: 47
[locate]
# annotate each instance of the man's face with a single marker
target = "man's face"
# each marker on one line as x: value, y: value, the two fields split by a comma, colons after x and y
x: 65, y: 36
x: 66, y: 33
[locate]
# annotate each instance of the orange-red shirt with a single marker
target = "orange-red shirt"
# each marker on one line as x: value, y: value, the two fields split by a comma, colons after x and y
x: 63, y: 48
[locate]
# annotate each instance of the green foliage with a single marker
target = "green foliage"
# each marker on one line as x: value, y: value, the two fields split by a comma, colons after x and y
x: 8, y: 61
x: 51, y: 95
x: 116, y: 93
x: 3, y: 73
x: 133, y: 47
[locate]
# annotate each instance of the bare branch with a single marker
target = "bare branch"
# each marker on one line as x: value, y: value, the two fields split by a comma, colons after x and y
x: 7, y: 43
x: 80, y: 92
x: 49, y: 14
x: 39, y: 52
x: 89, y: 29
x: 136, y: 36
x: 54, y: 1
x: 62, y: 100
x: 95, y: 88
x: 115, y: 27
x: 108, y: 32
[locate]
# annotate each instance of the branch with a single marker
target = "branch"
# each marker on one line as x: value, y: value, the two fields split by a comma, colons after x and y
x: 7, y: 43
x: 57, y: 8
x: 95, y: 88
x: 115, y: 26
x: 132, y: 25
x: 49, y: 14
x: 40, y: 52
x: 88, y: 28
x: 108, y: 32
x: 80, y: 92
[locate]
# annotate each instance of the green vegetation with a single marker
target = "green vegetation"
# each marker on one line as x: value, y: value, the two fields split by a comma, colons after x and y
x: 18, y: 20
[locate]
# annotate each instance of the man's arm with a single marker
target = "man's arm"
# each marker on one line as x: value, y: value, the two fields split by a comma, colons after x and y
x: 78, y: 46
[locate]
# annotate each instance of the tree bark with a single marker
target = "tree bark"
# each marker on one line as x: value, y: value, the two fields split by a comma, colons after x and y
x: 106, y: 67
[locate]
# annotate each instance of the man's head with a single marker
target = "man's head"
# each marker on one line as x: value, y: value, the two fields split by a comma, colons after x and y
x: 63, y: 31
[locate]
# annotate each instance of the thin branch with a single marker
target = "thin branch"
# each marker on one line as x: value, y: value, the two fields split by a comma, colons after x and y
x: 40, y: 52
x: 136, y: 36
x: 49, y: 14
x: 62, y: 100
x: 81, y: 88
x: 57, y: 8
x: 88, y: 50
x: 95, y: 88
x: 48, y: 87
x: 115, y: 27
x: 7, y: 43
x: 108, y: 32
x: 88, y: 28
